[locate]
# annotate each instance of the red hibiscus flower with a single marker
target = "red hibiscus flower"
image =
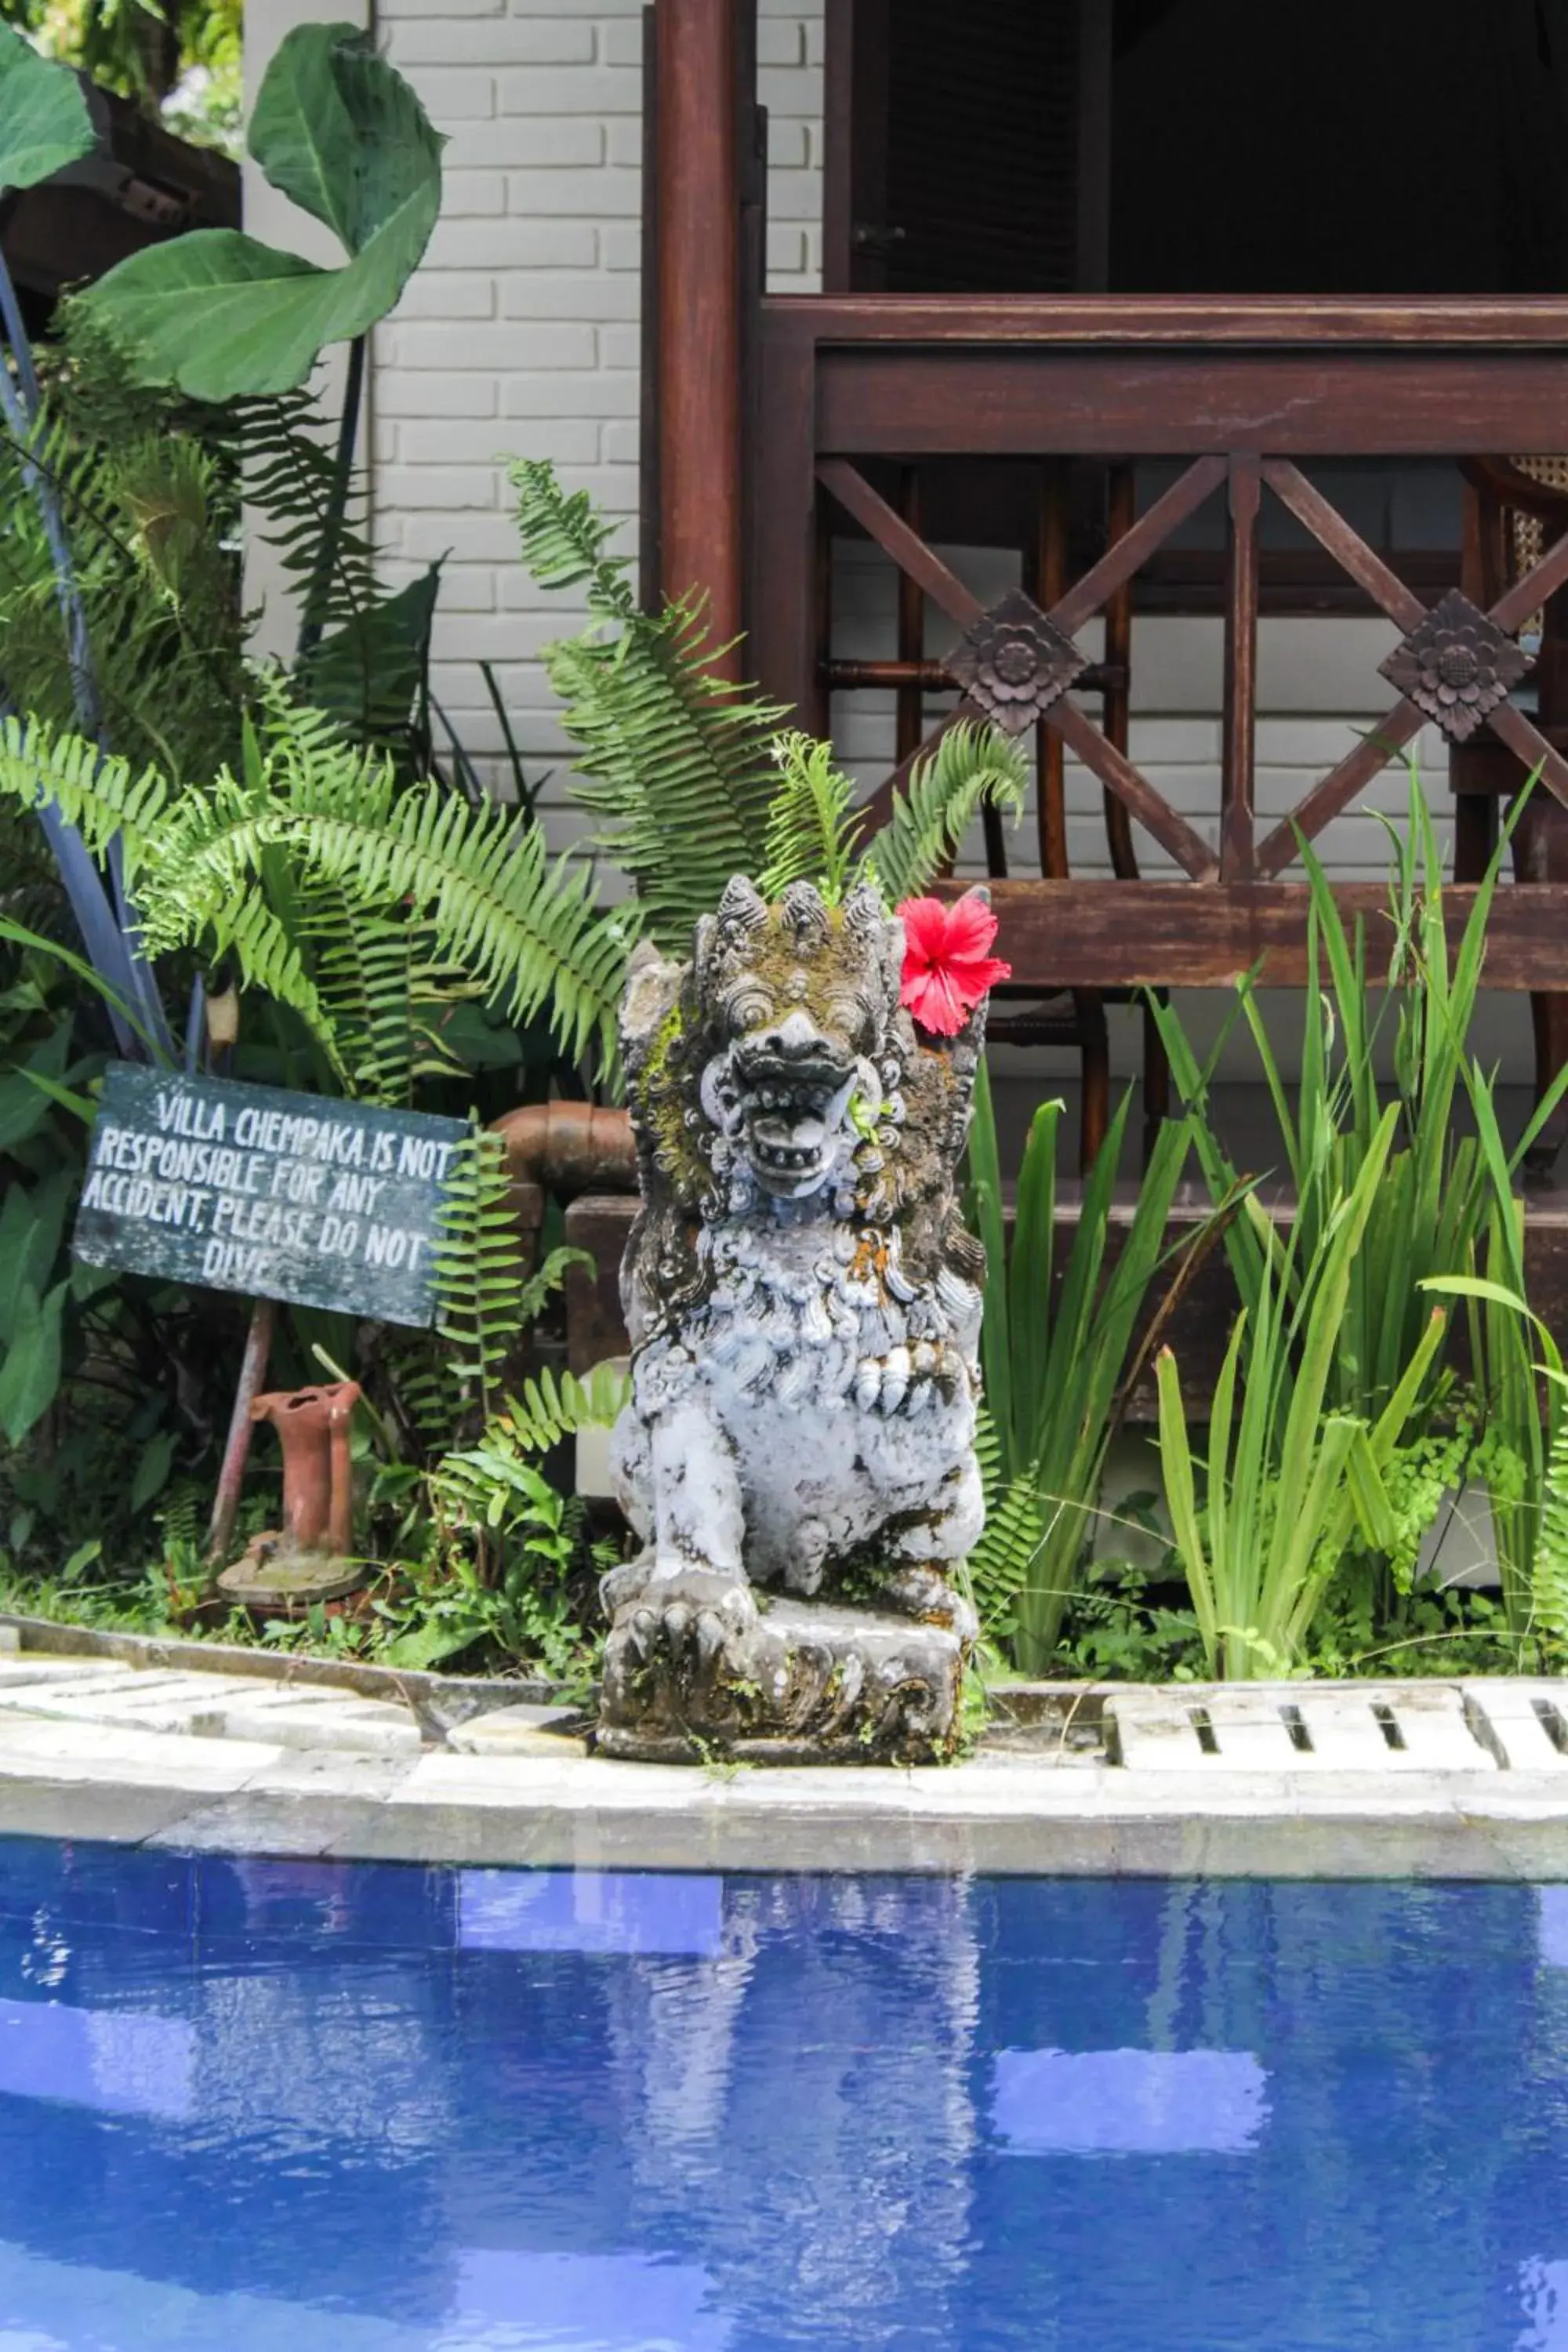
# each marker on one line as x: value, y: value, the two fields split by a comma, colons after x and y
x: 946, y: 968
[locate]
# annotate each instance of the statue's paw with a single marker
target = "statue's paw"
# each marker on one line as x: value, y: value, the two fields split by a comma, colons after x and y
x: 922, y: 1592
x: 687, y: 1621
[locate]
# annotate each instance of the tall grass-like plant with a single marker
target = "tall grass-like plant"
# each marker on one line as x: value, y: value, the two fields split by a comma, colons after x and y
x: 1430, y: 1213
x: 1291, y: 1481
x: 1055, y: 1361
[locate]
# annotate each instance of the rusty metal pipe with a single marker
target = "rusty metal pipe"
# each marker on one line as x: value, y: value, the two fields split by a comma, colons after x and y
x: 312, y: 1427
x: 569, y: 1148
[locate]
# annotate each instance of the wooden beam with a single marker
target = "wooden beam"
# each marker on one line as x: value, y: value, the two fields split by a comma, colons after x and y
x: 1206, y: 935
x: 1240, y: 671
x: 1118, y: 775
x: 1003, y: 399
x: 1133, y: 547
x: 1428, y: 322
x: 1347, y: 547
x: 699, y: 223
x: 1335, y: 791
x: 897, y: 539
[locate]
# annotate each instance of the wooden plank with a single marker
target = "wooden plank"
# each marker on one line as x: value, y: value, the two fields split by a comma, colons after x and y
x: 1137, y: 543
x: 1347, y: 547
x: 227, y: 1186
x: 1240, y: 671
x: 1338, y: 787
x: 1116, y: 771
x: 1120, y: 514
x: 896, y: 538
x: 1048, y: 586
x: 1008, y: 400
x: 909, y: 703
x: 1426, y: 321
x: 1176, y: 934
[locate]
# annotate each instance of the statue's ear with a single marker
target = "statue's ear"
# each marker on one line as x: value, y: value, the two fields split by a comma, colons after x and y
x: 654, y: 983
x: 863, y: 915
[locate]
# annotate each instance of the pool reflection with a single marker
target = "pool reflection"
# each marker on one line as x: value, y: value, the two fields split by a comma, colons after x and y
x: 408, y: 2109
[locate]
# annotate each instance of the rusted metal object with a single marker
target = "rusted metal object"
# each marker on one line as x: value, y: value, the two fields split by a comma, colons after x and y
x: 565, y: 1148
x: 311, y: 1560
x: 312, y: 1427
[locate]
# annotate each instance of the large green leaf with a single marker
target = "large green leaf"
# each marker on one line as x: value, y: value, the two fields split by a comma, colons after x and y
x: 368, y: 674
x: 44, y: 121
x: 30, y: 1374
x: 341, y: 134
x: 31, y: 1223
x: 221, y: 315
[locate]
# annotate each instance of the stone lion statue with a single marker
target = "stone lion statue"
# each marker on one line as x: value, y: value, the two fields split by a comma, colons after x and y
x: 804, y: 1304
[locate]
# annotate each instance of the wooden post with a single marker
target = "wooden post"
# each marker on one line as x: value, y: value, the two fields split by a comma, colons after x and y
x: 698, y: 226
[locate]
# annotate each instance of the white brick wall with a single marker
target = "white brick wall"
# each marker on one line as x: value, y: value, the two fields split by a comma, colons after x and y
x: 519, y: 335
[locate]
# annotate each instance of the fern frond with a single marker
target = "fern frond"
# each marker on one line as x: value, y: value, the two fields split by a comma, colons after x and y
x: 486, y: 1298
x: 527, y: 932
x: 478, y: 879
x: 971, y: 765
x: 811, y: 827
x: 564, y: 538
x: 679, y: 759
x: 101, y: 795
x: 382, y: 993
x: 676, y: 760
x: 1001, y: 1565
x: 554, y: 1406
x: 481, y: 1482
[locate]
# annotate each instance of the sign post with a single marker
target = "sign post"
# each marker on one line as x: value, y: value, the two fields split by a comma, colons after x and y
x: 278, y: 1195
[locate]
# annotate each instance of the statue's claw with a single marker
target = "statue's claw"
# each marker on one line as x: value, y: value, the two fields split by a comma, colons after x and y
x: 710, y: 1637
x: 676, y: 1625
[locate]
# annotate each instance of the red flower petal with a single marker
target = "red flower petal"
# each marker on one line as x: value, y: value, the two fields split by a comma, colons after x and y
x: 946, y: 968
x: 971, y: 926
x: 935, y: 1003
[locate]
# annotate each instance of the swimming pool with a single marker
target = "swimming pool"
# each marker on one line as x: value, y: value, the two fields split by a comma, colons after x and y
x: 265, y: 2107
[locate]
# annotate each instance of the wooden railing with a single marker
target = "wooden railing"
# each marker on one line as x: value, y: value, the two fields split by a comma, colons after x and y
x: 1249, y: 394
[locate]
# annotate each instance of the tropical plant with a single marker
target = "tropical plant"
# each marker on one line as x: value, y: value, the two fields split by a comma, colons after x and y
x: 217, y: 313
x: 695, y: 778
x: 1290, y: 1479
x: 1431, y: 1209
x: 1056, y: 1358
x: 364, y: 909
x: 179, y: 59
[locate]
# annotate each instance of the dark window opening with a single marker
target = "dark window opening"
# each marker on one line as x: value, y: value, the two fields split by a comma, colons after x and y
x: 1204, y: 146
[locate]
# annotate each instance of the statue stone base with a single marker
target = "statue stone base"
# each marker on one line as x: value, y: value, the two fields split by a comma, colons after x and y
x: 804, y: 1683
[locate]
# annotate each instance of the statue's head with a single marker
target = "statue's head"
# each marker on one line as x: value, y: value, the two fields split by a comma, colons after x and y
x: 778, y: 1065
x: 795, y: 1001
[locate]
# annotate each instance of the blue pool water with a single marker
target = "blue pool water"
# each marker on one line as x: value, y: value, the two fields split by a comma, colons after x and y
x: 259, y: 2106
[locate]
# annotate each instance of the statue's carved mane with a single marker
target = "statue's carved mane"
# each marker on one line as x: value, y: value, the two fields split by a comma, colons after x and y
x: 679, y: 1030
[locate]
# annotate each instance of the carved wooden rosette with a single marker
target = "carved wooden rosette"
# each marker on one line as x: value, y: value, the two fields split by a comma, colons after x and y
x: 1015, y: 663
x: 1457, y: 666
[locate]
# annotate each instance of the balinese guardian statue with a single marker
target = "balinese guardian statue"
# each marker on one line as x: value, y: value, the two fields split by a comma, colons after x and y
x: 804, y: 1304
